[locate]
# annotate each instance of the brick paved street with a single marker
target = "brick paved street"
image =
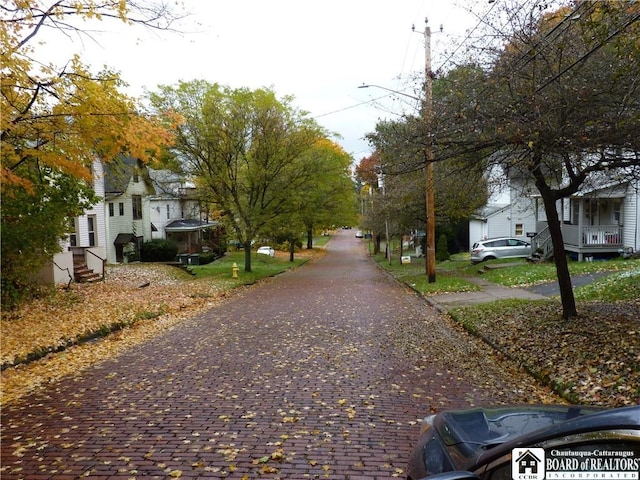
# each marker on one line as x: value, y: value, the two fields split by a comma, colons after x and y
x: 322, y: 372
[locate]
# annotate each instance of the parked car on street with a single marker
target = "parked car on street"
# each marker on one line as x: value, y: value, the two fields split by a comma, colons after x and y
x: 503, y: 247
x: 266, y: 251
x: 528, y: 443
x: 359, y: 234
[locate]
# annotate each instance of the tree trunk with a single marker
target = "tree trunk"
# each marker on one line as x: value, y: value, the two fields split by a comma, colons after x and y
x: 309, y: 238
x: 569, y: 309
x: 247, y: 256
x: 292, y: 248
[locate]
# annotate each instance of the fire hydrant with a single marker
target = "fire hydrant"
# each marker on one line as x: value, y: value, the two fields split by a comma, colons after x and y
x: 235, y: 270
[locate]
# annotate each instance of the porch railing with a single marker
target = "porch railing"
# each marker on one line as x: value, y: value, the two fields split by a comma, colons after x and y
x: 592, y: 236
x: 96, y: 262
x: 541, y: 245
x: 63, y: 269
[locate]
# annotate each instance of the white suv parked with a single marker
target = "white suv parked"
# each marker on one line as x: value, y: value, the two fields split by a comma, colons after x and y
x: 503, y: 247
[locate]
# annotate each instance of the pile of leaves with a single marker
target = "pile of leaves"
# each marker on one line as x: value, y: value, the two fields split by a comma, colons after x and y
x: 593, y: 359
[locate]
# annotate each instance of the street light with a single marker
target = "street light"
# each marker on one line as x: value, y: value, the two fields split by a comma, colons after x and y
x: 390, y: 90
x: 430, y: 254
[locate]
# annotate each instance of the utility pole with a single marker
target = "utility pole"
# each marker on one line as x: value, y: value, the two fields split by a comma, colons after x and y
x: 430, y: 231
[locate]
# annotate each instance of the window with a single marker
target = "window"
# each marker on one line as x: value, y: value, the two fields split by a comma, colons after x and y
x: 168, y: 211
x: 73, y: 237
x: 617, y: 212
x: 91, y: 227
x: 496, y: 243
x: 519, y: 229
x: 121, y: 209
x: 575, y: 212
x: 111, y: 209
x: 136, y: 201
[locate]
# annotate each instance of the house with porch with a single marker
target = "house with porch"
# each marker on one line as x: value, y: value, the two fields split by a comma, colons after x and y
x: 599, y: 221
x: 509, y: 212
x: 127, y: 188
x: 177, y: 213
x: 136, y: 204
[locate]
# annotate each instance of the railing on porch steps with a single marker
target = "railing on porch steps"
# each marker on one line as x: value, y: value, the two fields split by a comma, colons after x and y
x: 541, y: 246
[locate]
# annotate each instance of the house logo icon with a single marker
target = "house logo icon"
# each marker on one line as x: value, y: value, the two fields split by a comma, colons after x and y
x: 527, y: 464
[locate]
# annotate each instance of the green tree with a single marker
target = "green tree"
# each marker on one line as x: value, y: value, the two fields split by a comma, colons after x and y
x: 32, y: 230
x: 400, y: 159
x: 331, y: 197
x: 442, y: 251
x: 245, y: 147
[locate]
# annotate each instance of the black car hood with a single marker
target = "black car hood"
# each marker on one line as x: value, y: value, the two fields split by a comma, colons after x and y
x: 587, y: 420
x: 481, y: 434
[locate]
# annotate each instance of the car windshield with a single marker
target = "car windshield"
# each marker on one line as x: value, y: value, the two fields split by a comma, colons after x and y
x: 469, y: 430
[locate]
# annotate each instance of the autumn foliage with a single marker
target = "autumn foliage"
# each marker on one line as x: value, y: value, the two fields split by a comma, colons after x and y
x: 56, y: 119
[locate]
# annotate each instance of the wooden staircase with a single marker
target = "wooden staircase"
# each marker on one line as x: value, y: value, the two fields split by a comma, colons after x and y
x: 82, y: 273
x: 541, y: 246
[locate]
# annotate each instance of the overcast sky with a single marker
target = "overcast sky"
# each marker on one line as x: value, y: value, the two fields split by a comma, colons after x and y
x: 317, y: 51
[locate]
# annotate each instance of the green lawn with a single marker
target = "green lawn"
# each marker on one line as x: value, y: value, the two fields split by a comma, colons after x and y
x: 452, y: 275
x: 262, y: 266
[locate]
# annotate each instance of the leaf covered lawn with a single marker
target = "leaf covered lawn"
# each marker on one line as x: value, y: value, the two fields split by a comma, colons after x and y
x: 594, y: 359
x: 139, y: 299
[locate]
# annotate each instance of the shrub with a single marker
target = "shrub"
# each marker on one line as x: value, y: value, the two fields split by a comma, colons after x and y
x: 442, y: 253
x: 207, y: 257
x: 159, y: 250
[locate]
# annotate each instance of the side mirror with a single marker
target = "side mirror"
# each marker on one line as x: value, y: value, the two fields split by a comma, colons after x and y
x: 455, y: 475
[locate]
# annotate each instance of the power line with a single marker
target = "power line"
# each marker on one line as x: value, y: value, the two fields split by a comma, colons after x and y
x: 630, y: 22
x: 539, y: 47
x: 480, y: 22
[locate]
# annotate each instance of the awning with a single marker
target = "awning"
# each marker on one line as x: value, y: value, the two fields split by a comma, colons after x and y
x: 189, y: 226
x: 124, y: 238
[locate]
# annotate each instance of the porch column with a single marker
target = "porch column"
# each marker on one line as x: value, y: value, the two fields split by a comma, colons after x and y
x: 580, y: 226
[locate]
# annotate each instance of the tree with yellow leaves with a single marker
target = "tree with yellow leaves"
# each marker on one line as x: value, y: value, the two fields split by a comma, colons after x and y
x: 55, y: 120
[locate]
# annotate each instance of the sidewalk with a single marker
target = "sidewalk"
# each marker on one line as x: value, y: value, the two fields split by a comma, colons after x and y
x: 490, y: 292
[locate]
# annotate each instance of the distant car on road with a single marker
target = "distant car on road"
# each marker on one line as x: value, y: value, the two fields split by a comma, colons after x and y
x: 359, y: 234
x: 267, y: 251
x: 528, y: 443
x: 503, y: 247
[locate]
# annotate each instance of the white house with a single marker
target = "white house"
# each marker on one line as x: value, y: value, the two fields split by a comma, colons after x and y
x: 127, y: 188
x: 508, y: 213
x: 136, y: 204
x: 84, y: 250
x: 599, y: 220
x: 176, y: 213
x: 174, y: 198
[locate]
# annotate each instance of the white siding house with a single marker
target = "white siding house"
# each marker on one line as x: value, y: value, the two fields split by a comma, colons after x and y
x: 174, y: 198
x: 136, y: 204
x: 127, y: 190
x: 599, y: 220
x: 85, y: 245
x: 508, y: 213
